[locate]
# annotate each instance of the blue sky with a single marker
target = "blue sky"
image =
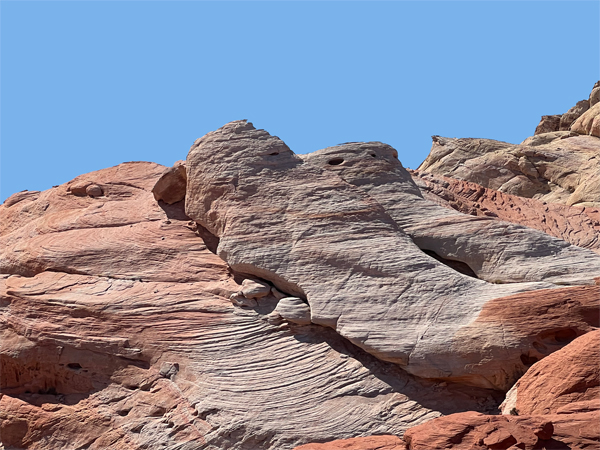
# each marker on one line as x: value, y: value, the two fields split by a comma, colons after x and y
x: 87, y: 85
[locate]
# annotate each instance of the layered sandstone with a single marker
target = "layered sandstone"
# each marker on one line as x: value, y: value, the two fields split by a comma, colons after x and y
x: 334, y: 243
x: 579, y: 226
x: 118, y: 332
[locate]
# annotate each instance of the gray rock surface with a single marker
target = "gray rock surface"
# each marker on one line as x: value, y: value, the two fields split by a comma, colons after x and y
x: 317, y: 237
x: 496, y: 251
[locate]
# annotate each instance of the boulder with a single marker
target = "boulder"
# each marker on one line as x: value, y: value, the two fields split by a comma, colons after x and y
x: 565, y: 382
x: 567, y: 119
x: 171, y: 185
x: 548, y: 124
x: 588, y: 122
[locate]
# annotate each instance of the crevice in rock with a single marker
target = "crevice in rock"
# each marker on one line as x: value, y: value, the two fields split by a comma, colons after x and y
x: 458, y: 266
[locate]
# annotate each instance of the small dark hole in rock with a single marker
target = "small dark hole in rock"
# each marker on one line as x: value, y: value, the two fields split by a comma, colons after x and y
x: 274, y: 153
x: 336, y: 161
x: 74, y: 366
x: 540, y: 347
x: 528, y: 360
x: 123, y: 412
x: 50, y: 391
x: 373, y: 155
x: 565, y: 335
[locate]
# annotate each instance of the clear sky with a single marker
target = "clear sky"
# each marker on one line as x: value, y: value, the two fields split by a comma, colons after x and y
x: 87, y: 85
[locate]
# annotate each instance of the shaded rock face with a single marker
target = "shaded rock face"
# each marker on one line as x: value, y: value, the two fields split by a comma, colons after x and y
x: 555, y: 405
x: 567, y: 382
x: 171, y: 185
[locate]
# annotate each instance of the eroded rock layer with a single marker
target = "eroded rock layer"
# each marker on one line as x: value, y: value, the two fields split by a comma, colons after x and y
x: 579, y: 226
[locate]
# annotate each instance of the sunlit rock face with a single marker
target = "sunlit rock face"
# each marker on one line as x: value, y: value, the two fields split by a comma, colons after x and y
x: 250, y: 298
x: 340, y: 227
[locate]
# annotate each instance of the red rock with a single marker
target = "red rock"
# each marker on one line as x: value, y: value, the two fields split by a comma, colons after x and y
x: 171, y: 185
x: 359, y: 443
x: 474, y: 431
x: 567, y: 381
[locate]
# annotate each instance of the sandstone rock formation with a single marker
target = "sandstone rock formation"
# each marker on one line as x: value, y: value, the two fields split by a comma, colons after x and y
x: 557, y: 165
x: 568, y: 381
x: 250, y: 298
x: 589, y: 122
x: 117, y: 332
x: 494, y: 251
x: 555, y: 405
x: 171, y: 186
x: 316, y: 236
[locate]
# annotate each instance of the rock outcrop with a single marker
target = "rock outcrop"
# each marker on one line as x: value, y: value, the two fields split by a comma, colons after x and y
x: 117, y: 332
x: 564, y: 170
x: 253, y: 299
x: 556, y: 165
x: 320, y: 238
x: 555, y: 405
x: 494, y: 251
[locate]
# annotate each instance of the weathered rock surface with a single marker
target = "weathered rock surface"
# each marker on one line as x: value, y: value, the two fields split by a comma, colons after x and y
x: 548, y: 124
x: 556, y: 404
x: 317, y: 237
x: 361, y: 443
x: 474, y: 431
x: 579, y: 226
x: 495, y: 251
x: 567, y: 381
x: 563, y: 171
x: 117, y: 332
x: 589, y: 122
x: 171, y: 185
x: 568, y: 118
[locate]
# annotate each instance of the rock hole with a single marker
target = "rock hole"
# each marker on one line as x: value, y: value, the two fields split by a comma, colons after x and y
x: 274, y: 153
x: 540, y: 347
x: 564, y: 336
x: 373, y: 155
x: 74, y: 366
x: 528, y: 360
x: 458, y: 266
x: 335, y: 161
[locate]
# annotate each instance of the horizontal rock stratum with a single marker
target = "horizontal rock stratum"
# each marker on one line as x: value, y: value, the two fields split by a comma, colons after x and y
x: 253, y: 299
